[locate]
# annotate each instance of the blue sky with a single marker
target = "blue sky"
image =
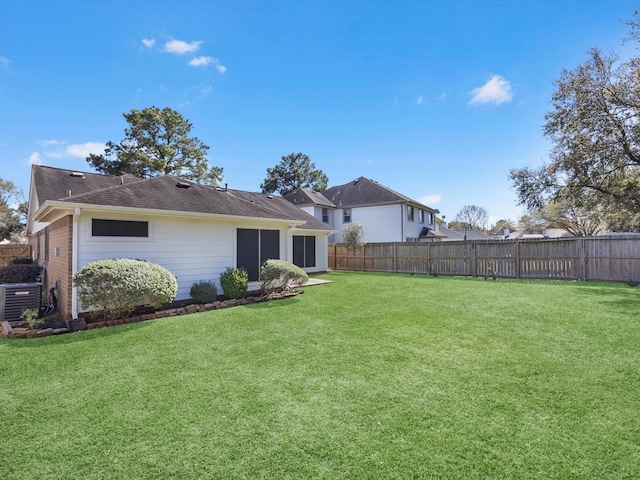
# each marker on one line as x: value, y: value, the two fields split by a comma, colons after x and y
x: 436, y: 99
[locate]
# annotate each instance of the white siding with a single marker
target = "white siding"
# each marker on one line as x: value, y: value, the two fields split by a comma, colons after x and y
x: 192, y: 249
x: 308, y: 209
x: 382, y: 223
x: 413, y: 229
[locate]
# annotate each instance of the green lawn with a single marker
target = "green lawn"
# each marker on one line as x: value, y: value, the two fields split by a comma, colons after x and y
x: 373, y: 376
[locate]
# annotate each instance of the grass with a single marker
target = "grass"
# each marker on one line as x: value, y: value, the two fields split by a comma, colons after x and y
x: 373, y: 376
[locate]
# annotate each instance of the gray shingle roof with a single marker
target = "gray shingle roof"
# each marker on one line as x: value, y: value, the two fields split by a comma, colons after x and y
x: 279, y: 204
x: 167, y: 193
x: 306, y: 197
x: 362, y: 191
x: 470, y: 234
x: 55, y: 183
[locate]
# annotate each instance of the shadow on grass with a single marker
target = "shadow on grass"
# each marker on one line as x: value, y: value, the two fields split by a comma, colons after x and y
x: 273, y: 303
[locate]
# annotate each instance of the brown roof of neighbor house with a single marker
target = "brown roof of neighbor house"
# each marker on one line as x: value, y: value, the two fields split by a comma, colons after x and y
x: 303, y: 197
x: 363, y: 191
x: 174, y: 194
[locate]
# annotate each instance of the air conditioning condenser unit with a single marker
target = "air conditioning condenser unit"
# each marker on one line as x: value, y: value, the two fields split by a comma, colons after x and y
x: 16, y: 297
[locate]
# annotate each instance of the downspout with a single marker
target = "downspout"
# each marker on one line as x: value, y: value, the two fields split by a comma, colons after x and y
x: 74, y: 262
x: 288, y: 240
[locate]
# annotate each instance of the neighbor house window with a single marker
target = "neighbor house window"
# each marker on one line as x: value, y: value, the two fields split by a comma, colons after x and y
x: 304, y: 251
x: 256, y: 247
x: 325, y: 215
x: 430, y: 218
x: 119, y: 228
x: 346, y: 215
x: 421, y: 216
x: 410, y: 213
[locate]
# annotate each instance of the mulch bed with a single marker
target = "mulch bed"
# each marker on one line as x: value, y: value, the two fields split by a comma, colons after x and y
x: 55, y: 325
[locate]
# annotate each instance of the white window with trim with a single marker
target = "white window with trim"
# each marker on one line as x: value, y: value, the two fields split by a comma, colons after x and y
x: 410, y: 213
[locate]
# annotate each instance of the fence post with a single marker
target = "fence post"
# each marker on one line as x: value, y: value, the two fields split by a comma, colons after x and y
x: 517, y: 258
x: 395, y: 257
x: 364, y: 266
x: 473, y: 256
x: 582, y: 259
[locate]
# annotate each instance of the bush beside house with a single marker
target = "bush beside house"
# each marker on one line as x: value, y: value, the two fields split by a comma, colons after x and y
x: 117, y: 286
x: 280, y: 275
x: 234, y: 282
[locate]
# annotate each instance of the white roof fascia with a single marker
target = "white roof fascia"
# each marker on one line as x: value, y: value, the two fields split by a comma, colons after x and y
x: 68, y: 209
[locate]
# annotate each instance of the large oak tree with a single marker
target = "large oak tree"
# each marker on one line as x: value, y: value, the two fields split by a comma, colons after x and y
x: 594, y: 126
x: 157, y: 142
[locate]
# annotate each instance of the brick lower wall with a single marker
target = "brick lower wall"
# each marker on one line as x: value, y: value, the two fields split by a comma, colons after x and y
x: 57, y: 261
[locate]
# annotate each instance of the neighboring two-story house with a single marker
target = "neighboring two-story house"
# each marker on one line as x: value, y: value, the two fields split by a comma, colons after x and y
x: 387, y: 215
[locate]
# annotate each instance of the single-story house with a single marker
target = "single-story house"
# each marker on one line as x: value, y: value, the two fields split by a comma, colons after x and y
x: 387, y: 216
x: 470, y: 234
x: 193, y: 230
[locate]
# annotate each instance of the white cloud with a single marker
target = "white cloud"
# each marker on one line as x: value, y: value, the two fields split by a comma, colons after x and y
x: 204, y: 61
x: 48, y: 143
x: 420, y: 100
x: 200, y: 61
x: 205, y: 89
x: 4, y: 61
x: 83, y: 150
x: 180, y: 47
x: 148, y: 42
x: 442, y: 97
x: 35, y: 159
x: 431, y: 199
x: 497, y: 90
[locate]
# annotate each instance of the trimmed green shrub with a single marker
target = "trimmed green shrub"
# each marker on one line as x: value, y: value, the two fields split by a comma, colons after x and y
x: 204, y: 291
x: 280, y: 275
x: 234, y: 282
x: 118, y: 285
x: 20, y: 273
x: 22, y: 261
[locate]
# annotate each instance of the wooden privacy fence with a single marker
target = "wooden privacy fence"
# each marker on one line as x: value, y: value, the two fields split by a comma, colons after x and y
x: 10, y: 251
x: 615, y: 258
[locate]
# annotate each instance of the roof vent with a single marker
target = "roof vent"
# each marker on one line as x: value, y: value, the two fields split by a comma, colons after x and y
x: 76, y: 174
x: 270, y: 197
x: 183, y: 184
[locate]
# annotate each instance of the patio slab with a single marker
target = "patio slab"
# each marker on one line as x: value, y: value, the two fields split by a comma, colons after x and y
x: 316, y: 281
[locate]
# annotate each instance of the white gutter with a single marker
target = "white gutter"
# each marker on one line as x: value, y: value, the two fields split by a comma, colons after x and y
x: 74, y: 262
